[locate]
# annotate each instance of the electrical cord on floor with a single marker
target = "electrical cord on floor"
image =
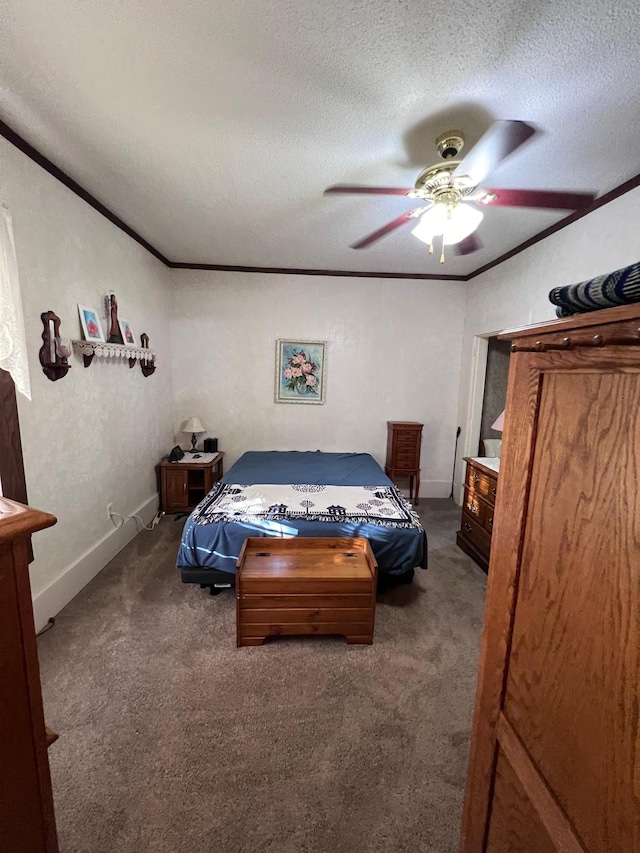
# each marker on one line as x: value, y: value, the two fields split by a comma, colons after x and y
x: 154, y: 521
x: 139, y: 522
x: 51, y: 621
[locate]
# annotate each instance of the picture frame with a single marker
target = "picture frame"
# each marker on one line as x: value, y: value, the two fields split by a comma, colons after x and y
x: 126, y: 331
x: 301, y: 371
x: 90, y: 322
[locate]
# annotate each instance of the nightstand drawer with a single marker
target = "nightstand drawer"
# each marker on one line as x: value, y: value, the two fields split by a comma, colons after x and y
x: 174, y: 490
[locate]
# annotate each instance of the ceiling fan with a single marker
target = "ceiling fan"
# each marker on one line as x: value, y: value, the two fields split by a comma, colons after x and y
x: 450, y: 186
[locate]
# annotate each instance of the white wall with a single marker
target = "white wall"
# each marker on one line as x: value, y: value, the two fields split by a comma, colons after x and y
x: 393, y: 354
x: 95, y: 436
x: 397, y: 350
x: 516, y: 292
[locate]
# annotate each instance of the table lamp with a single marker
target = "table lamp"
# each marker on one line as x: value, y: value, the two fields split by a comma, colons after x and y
x: 498, y: 424
x: 194, y: 426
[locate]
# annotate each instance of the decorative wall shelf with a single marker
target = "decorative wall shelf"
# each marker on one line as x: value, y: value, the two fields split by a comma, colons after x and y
x: 90, y: 349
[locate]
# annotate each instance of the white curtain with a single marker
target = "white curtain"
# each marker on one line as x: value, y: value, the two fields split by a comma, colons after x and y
x: 13, y: 344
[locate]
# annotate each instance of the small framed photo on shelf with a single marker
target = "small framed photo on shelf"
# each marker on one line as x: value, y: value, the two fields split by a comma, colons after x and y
x: 91, y: 328
x: 300, y: 371
x: 127, y: 332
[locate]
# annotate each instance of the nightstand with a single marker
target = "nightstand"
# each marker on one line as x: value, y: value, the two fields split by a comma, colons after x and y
x: 184, y: 484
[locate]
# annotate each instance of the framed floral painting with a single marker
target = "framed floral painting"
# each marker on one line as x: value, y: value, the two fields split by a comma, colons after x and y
x: 300, y: 371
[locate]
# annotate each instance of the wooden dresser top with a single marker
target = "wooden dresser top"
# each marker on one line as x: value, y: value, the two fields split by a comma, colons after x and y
x: 489, y: 464
x: 19, y: 520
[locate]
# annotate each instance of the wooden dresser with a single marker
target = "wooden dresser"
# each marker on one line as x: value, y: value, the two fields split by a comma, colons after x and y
x: 305, y: 586
x: 555, y: 753
x: 404, y: 439
x: 476, y: 527
x: 27, y: 822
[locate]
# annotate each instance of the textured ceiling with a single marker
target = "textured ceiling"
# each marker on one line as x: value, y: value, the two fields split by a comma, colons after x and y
x: 212, y: 128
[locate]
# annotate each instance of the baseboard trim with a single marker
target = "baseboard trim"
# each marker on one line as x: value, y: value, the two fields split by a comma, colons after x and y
x: 435, y: 488
x: 428, y: 488
x: 64, y: 588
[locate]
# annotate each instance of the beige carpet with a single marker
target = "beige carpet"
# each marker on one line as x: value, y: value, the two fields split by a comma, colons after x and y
x: 173, y: 741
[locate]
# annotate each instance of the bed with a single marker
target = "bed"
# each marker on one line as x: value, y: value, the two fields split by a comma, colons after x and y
x: 300, y: 493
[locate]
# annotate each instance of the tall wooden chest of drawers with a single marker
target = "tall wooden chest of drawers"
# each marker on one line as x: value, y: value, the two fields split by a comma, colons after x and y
x: 474, y: 536
x: 404, y: 439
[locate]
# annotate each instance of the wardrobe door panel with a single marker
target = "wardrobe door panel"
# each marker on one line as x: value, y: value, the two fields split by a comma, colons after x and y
x: 510, y: 513
x: 515, y: 826
x: 572, y: 690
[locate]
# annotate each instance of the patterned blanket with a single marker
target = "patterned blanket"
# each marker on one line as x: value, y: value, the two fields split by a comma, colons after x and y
x: 621, y: 287
x: 379, y: 505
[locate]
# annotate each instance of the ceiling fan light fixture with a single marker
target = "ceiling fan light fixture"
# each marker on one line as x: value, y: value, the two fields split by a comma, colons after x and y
x: 454, y: 223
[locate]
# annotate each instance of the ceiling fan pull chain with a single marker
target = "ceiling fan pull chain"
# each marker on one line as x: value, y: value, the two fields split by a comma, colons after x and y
x: 431, y: 248
x: 442, y: 253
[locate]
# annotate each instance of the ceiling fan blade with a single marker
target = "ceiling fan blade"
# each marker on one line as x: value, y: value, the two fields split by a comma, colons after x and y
x: 470, y: 244
x: 502, y: 139
x: 535, y: 198
x: 386, y: 229
x: 346, y: 188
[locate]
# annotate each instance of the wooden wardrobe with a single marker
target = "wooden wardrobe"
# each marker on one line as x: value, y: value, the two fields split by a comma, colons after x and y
x: 555, y: 753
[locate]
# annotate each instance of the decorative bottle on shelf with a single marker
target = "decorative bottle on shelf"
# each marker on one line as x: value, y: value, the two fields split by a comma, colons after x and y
x: 115, y: 337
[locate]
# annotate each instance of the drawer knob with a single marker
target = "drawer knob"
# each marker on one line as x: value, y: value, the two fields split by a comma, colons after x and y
x: 473, y: 507
x: 476, y: 479
x: 491, y: 520
x: 493, y: 492
x: 467, y: 527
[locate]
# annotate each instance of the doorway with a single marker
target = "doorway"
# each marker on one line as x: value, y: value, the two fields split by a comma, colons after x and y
x: 494, y: 395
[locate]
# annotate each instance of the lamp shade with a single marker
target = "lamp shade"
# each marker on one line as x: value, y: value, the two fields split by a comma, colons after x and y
x: 193, y: 425
x: 454, y: 223
x: 498, y: 424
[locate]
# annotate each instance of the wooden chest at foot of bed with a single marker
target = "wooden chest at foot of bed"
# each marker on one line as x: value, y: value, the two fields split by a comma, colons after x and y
x: 305, y: 586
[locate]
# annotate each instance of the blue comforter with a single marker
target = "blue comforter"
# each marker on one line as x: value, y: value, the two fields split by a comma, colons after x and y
x: 217, y: 545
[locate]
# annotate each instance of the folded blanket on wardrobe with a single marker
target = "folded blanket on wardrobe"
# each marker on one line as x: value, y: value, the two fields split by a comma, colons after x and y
x: 621, y: 287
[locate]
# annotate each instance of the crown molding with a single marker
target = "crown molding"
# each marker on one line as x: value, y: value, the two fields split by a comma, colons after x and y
x: 601, y: 201
x: 21, y: 144
x: 295, y: 271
